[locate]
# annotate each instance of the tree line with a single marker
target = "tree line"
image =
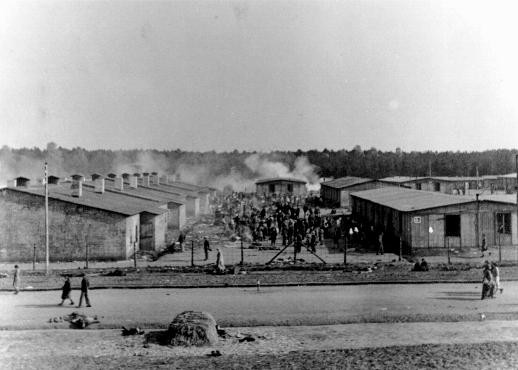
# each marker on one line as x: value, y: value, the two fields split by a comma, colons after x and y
x: 370, y: 163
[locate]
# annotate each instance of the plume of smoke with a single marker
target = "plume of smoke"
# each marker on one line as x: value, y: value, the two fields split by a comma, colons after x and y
x: 256, y: 167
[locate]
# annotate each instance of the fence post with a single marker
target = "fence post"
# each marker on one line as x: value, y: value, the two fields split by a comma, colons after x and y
x: 192, y: 253
x: 400, y: 249
x: 345, y: 249
x: 34, y: 259
x: 86, y: 255
x: 448, y: 246
x: 242, y: 254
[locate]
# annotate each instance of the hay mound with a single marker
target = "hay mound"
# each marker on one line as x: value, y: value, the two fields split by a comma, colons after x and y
x: 191, y: 328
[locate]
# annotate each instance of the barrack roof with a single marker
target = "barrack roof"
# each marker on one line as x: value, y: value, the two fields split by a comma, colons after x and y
x: 278, y: 179
x: 344, y: 182
x: 408, y: 200
x: 107, y: 201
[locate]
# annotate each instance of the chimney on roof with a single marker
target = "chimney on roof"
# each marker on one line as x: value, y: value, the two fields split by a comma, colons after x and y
x: 125, y: 176
x: 22, y: 182
x: 99, y: 185
x: 77, y: 188
x: 96, y: 176
x: 154, y: 178
x: 133, y: 181
x: 136, y: 174
x: 78, y: 177
x: 118, y: 183
x: 53, y: 180
x: 112, y: 175
x: 145, y: 179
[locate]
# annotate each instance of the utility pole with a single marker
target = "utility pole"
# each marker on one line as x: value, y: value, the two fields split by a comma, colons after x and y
x: 476, y: 223
x: 192, y: 253
x: 516, y: 189
x: 46, y: 221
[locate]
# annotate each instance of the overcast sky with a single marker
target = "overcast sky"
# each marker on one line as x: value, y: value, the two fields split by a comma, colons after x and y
x: 259, y: 75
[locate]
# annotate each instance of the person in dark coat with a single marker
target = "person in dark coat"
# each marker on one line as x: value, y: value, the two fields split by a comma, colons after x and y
x: 85, y: 285
x: 65, y: 293
x: 181, y: 240
x: 206, y: 248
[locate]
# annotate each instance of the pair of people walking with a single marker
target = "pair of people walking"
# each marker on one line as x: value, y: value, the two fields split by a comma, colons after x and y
x: 491, y: 280
x: 67, y: 290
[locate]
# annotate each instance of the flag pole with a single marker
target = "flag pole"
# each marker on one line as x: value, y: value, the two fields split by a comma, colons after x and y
x: 46, y: 221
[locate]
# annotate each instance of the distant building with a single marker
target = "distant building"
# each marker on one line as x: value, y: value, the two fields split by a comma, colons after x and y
x: 336, y: 192
x: 424, y: 219
x: 281, y: 185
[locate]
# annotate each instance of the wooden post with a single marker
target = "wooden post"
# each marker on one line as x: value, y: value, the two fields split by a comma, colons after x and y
x: 448, y: 246
x: 192, y: 253
x: 400, y: 249
x: 34, y: 258
x: 345, y: 249
x: 477, y: 241
x: 242, y: 254
x: 47, y: 258
x: 135, y: 253
x: 86, y: 255
x: 294, y: 253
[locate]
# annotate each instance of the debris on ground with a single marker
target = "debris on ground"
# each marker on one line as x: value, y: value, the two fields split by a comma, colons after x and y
x: 192, y: 328
x: 132, y: 331
x: 222, y: 333
x: 80, y: 321
x: 116, y: 272
x: 3, y: 275
x: 214, y: 353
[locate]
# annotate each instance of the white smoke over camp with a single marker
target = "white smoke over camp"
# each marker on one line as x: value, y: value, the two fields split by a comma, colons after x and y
x: 257, y: 167
x: 238, y: 173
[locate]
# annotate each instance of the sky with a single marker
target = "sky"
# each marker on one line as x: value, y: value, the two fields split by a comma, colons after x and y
x: 259, y: 75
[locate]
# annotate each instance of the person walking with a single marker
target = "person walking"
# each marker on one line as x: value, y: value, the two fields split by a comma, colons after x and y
x: 220, y: 264
x: 181, y: 239
x: 381, y: 248
x: 206, y: 248
x: 487, y: 282
x: 495, y: 271
x: 16, y: 279
x: 483, y: 246
x: 85, y: 285
x: 65, y: 292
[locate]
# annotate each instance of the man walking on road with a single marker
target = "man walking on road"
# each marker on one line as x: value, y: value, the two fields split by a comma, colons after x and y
x: 16, y: 279
x: 85, y: 285
x: 206, y: 248
x: 381, y: 248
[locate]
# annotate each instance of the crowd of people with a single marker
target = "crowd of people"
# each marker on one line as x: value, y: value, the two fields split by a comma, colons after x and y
x: 285, y: 220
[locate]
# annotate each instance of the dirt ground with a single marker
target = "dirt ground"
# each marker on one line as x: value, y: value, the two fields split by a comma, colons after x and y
x: 465, y: 345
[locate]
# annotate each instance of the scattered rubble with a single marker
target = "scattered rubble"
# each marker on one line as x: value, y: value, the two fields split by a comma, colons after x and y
x: 132, y: 331
x: 80, y: 321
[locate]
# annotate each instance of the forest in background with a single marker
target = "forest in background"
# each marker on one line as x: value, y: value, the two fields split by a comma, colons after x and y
x: 241, y: 167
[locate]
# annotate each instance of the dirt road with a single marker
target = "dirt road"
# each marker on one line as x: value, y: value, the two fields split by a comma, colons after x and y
x: 269, y: 306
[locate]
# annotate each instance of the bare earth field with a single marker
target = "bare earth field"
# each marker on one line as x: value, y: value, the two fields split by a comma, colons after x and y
x: 465, y: 345
x: 426, y: 326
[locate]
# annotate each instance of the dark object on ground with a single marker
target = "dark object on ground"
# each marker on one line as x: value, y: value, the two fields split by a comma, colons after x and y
x: 3, y: 275
x: 132, y: 331
x: 116, y: 272
x: 214, y: 353
x: 222, y: 333
x: 247, y: 338
x: 80, y: 321
x: 191, y: 328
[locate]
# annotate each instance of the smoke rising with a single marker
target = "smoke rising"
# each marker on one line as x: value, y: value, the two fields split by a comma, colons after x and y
x: 237, y: 171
